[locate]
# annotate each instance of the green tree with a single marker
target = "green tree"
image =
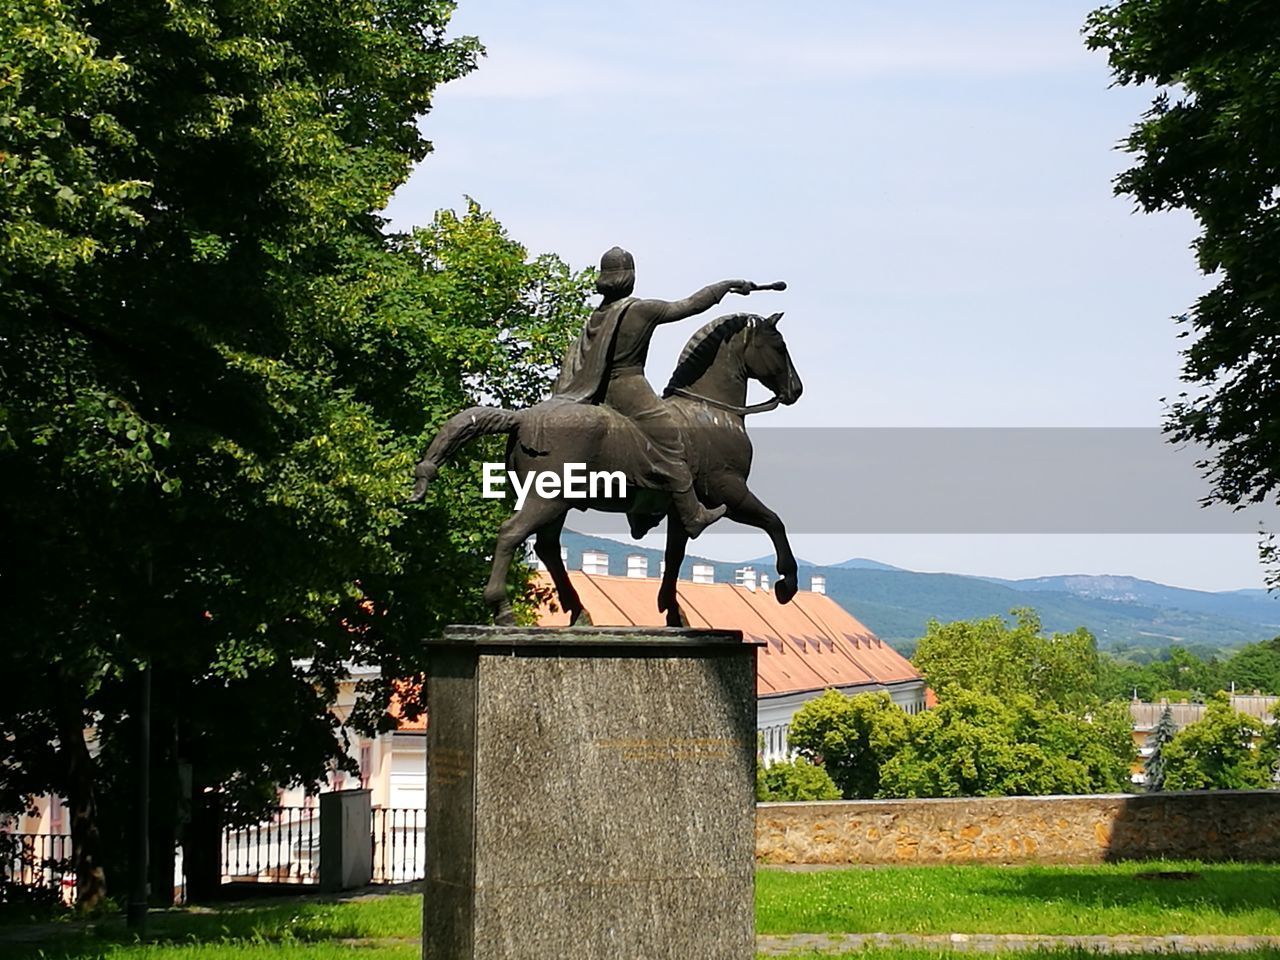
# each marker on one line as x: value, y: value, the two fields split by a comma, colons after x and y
x: 851, y: 737
x: 1255, y: 667
x: 1208, y: 145
x: 216, y: 372
x: 1269, y: 751
x: 1217, y: 752
x: 1174, y: 673
x: 992, y: 656
x: 978, y: 744
x: 1153, y: 765
x: 797, y: 779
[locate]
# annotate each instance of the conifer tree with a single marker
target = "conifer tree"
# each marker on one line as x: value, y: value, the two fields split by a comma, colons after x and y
x: 1153, y: 765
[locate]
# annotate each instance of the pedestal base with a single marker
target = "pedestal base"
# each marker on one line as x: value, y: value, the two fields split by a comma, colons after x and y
x: 590, y: 794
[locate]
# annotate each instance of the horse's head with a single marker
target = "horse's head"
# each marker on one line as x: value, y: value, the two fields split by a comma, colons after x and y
x: 767, y: 360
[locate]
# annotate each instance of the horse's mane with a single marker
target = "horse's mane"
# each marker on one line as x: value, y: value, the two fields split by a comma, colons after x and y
x: 700, y: 351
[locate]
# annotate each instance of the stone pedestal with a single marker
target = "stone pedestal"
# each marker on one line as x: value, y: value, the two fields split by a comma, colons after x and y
x: 346, y: 845
x: 590, y: 794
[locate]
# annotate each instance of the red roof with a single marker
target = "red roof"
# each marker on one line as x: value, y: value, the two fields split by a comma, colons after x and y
x: 809, y: 644
x: 396, y: 707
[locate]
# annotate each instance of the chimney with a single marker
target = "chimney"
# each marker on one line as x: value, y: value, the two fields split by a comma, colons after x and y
x: 704, y: 573
x: 745, y: 577
x: 593, y: 561
x: 764, y: 581
x: 818, y: 584
x: 637, y: 566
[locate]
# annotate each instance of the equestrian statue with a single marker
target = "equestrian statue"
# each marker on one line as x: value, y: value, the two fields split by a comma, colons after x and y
x: 685, y: 456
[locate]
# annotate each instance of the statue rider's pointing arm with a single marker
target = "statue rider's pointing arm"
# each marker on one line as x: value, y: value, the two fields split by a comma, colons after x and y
x: 706, y: 298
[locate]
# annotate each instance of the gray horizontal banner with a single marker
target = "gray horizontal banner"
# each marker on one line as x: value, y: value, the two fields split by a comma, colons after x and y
x: 980, y: 480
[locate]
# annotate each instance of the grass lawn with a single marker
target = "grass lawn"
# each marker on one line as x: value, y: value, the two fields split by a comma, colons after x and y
x: 1111, y: 899
x: 1226, y: 899
x: 380, y: 928
x: 906, y: 953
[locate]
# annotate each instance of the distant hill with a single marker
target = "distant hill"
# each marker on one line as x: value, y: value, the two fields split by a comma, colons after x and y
x: 1253, y: 606
x: 767, y: 561
x: 857, y: 563
x: 897, y: 604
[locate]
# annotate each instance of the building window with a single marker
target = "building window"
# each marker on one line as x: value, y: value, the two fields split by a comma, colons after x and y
x: 366, y: 764
x: 55, y: 813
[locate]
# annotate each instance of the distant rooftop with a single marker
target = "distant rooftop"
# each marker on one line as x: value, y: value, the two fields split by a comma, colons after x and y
x: 812, y: 643
x: 1146, y: 715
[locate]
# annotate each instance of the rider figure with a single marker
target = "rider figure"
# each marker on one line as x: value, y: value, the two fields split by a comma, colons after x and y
x: 606, y: 365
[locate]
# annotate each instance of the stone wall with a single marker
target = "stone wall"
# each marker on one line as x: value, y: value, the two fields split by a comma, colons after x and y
x: 1201, y: 825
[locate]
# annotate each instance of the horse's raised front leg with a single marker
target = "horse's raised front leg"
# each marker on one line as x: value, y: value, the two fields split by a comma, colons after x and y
x: 547, y: 546
x: 745, y: 507
x: 514, y: 531
x: 668, y: 600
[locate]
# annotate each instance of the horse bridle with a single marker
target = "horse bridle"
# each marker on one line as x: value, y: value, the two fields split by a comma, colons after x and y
x: 764, y: 407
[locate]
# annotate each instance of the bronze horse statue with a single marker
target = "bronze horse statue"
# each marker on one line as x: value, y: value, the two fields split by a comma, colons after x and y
x: 707, y: 396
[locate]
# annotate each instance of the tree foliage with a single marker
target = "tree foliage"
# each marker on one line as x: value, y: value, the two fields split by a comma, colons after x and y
x: 1209, y: 145
x: 851, y: 737
x: 216, y: 372
x: 1154, y: 764
x: 992, y: 656
x: 971, y: 744
x: 797, y: 779
x: 1218, y: 752
x: 979, y: 744
x: 1177, y: 673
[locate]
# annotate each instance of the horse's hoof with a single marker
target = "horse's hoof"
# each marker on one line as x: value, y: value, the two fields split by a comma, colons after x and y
x: 504, y: 616
x: 784, y: 589
x: 581, y: 619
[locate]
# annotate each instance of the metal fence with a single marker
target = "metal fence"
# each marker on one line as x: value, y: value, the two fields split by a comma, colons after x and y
x: 399, y: 844
x: 38, y: 865
x: 285, y: 849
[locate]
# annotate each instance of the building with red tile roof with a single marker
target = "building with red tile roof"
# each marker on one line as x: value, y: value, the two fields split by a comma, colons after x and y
x: 810, y: 645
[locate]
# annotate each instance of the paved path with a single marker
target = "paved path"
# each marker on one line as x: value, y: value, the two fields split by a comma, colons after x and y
x: 836, y: 943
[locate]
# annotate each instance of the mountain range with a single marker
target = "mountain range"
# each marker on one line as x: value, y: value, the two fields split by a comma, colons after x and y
x: 897, y: 604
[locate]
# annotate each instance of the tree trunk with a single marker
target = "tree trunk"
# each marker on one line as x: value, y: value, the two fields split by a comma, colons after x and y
x: 91, y: 882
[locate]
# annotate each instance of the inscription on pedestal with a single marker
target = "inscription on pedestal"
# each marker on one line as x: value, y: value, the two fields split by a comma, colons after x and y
x: 674, y: 748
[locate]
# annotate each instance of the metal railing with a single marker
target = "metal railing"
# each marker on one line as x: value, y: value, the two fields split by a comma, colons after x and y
x: 37, y: 865
x: 285, y: 849
x: 399, y: 844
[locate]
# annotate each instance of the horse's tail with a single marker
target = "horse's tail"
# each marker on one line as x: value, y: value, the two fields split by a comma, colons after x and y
x: 466, y: 426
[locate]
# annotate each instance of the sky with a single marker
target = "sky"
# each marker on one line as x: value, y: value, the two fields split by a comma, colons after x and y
x: 933, y: 181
